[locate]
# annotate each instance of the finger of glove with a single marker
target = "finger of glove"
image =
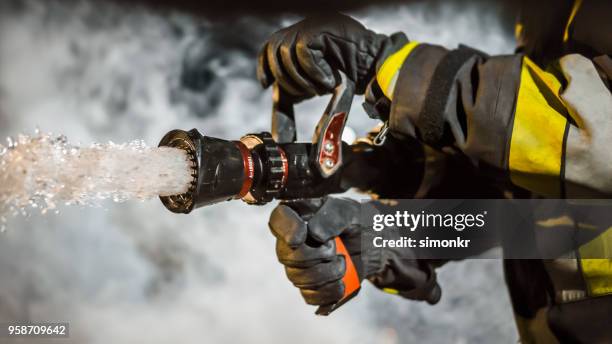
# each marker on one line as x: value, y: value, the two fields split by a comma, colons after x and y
x: 318, y: 275
x: 312, y: 61
x: 292, y: 67
x: 304, y: 255
x: 306, y: 208
x: 325, y: 295
x: 264, y: 74
x: 333, y: 218
x: 288, y: 226
x: 434, y: 295
x: 277, y: 68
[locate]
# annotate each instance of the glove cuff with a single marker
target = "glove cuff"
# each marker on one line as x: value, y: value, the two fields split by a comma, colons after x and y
x: 372, y: 261
x: 388, y: 63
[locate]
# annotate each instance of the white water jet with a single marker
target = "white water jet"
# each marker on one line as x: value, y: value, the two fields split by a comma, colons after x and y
x: 43, y: 170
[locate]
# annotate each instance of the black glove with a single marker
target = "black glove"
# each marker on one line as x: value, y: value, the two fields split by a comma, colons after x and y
x: 302, y: 58
x: 305, y: 232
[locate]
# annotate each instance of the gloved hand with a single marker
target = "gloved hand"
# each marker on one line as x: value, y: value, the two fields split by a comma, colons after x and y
x: 302, y: 58
x: 305, y: 233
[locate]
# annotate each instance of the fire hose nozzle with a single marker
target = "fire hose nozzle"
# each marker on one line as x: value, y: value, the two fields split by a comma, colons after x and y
x: 217, y: 166
x: 255, y: 169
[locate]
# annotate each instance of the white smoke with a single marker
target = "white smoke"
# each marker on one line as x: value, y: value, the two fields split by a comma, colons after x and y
x: 135, y: 273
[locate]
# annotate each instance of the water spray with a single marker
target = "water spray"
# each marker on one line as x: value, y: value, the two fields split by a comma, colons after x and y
x: 42, y: 171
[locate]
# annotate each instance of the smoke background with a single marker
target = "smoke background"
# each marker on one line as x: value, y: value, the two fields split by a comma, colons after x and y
x: 134, y: 272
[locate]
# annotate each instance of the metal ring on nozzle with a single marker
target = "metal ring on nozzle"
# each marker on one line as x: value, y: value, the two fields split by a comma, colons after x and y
x: 182, y: 203
x: 275, y: 167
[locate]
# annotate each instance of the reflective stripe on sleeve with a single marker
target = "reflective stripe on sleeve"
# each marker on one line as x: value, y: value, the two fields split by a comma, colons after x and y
x: 570, y: 20
x: 597, y: 272
x: 388, y: 72
x: 391, y: 291
x: 536, y: 146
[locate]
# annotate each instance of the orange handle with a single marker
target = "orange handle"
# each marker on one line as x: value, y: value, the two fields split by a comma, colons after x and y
x: 350, y: 279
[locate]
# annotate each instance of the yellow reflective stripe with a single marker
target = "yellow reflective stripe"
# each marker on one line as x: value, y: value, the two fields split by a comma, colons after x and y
x: 575, y: 9
x: 536, y: 145
x: 391, y: 291
x: 518, y: 30
x: 597, y: 272
x: 387, y: 74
